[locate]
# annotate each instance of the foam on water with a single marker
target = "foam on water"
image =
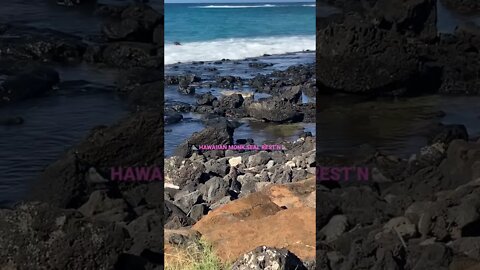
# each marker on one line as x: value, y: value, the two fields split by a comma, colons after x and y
x: 236, y: 6
x: 236, y: 48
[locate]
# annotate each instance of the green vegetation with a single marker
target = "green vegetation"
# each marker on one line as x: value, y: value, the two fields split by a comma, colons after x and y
x: 196, y: 256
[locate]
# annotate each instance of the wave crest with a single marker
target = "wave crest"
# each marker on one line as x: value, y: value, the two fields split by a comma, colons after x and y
x: 236, y: 6
x: 236, y: 48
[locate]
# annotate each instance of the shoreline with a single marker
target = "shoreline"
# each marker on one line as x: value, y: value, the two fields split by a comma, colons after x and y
x: 240, y: 59
x: 214, y: 91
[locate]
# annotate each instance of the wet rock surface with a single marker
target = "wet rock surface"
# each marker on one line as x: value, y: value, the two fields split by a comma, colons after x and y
x: 36, y: 236
x: 67, y: 182
x: 415, y: 211
x: 131, y: 36
x: 121, y: 220
x: 22, y: 42
x: 283, y: 104
x: 392, y: 48
x: 417, y: 217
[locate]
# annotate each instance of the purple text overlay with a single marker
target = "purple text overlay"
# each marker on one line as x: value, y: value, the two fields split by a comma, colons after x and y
x: 343, y: 174
x: 273, y: 147
x: 136, y: 174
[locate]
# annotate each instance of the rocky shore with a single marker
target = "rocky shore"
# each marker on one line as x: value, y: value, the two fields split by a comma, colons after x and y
x: 253, y: 193
x: 256, y: 208
x: 75, y: 216
x: 416, y: 213
x: 419, y: 212
x: 131, y: 37
x: 283, y: 104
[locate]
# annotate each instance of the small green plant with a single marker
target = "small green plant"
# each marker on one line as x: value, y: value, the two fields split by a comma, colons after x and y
x: 198, y: 255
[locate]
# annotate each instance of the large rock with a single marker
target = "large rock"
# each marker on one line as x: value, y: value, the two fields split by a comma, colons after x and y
x: 336, y: 226
x: 206, y: 99
x: 457, y: 55
x: 445, y: 134
x: 175, y: 218
x: 274, y: 110
x: 64, y: 183
x: 268, y: 258
x: 40, y: 44
x: 125, y: 54
x: 147, y: 234
x: 357, y: 56
x: 188, y: 172
x: 39, y: 236
x: 213, y: 135
x: 215, y: 189
x: 460, y: 165
x: 413, y: 18
x: 100, y: 207
x: 231, y: 101
x: 136, y: 23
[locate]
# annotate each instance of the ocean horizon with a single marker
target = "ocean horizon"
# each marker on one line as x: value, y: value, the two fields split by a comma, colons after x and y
x: 209, y: 32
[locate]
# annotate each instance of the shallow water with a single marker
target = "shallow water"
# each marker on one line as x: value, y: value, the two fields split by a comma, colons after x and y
x: 52, y: 125
x: 395, y: 127
x: 259, y: 131
x: 84, y: 99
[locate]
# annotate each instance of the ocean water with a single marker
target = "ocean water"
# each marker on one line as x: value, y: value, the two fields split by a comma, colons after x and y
x: 209, y: 32
x: 54, y: 123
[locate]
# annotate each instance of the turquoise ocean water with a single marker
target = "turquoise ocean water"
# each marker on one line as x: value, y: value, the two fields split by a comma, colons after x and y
x: 210, y: 32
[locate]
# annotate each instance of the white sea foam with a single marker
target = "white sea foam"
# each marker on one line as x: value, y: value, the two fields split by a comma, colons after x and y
x: 236, y: 6
x: 312, y: 5
x: 236, y: 48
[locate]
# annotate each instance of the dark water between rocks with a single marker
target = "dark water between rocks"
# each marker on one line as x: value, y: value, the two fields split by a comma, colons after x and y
x: 395, y: 127
x: 53, y: 124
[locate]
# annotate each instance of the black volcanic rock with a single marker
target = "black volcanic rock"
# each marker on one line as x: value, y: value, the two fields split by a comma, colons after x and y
x: 274, y: 110
x: 463, y: 6
x: 135, y: 23
x: 54, y: 238
x: 213, y: 135
x: 128, y: 54
x: 30, y: 43
x: 135, y: 141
